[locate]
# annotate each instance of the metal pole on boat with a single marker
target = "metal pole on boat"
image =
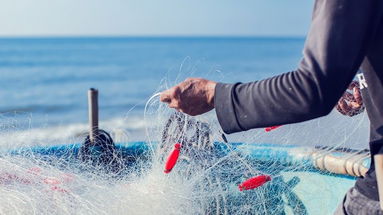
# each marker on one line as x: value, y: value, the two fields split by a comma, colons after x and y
x: 378, y: 160
x: 93, y: 114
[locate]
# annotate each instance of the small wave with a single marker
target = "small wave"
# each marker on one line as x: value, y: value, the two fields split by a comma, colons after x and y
x: 121, y: 129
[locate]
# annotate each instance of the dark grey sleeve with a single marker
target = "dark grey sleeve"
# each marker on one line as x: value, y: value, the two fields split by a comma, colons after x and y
x: 335, y: 47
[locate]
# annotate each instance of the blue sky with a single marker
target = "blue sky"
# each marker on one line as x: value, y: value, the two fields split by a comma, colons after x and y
x: 155, y: 17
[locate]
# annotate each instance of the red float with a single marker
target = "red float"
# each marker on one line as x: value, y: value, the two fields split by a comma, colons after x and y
x: 253, y: 183
x: 272, y: 128
x: 173, y: 158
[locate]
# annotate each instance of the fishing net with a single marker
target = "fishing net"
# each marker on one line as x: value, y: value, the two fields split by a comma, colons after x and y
x: 70, y: 176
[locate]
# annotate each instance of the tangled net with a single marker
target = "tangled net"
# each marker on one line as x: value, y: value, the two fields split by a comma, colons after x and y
x: 128, y: 177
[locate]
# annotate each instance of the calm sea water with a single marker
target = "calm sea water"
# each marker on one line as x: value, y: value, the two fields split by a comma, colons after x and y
x: 48, y: 78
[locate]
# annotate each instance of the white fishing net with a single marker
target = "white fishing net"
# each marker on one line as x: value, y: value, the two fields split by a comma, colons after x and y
x: 46, y: 170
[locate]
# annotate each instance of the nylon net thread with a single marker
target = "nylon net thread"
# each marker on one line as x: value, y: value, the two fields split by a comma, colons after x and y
x: 204, y: 181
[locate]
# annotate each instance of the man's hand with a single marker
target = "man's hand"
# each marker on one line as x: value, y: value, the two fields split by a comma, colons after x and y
x: 351, y: 104
x: 194, y: 96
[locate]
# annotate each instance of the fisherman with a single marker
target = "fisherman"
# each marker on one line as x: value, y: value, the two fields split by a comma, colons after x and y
x: 344, y: 36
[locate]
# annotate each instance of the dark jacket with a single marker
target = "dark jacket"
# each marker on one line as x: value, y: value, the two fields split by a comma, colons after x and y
x: 345, y: 35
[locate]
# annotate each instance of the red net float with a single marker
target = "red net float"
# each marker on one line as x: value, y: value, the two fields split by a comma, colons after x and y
x: 268, y: 129
x: 254, y: 182
x: 173, y: 158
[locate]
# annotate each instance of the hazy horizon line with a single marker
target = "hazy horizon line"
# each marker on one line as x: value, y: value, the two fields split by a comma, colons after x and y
x: 152, y: 36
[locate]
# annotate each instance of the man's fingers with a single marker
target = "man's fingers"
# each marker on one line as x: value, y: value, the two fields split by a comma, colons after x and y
x: 165, y: 98
x: 348, y: 96
x: 358, y: 96
x: 339, y: 108
x: 169, y: 95
x: 351, y: 103
x: 172, y: 97
x: 355, y: 105
x: 174, y: 104
x: 344, y: 107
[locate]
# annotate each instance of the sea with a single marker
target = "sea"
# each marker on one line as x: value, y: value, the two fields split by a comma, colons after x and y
x: 44, y: 81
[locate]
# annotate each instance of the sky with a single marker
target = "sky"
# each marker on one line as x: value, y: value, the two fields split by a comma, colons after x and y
x: 155, y: 17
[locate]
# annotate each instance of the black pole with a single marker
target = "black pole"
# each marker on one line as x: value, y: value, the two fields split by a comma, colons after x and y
x: 93, y: 114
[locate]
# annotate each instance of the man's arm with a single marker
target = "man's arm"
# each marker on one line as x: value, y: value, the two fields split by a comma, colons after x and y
x: 335, y: 47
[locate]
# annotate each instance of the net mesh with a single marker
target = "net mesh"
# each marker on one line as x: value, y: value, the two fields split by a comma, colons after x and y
x: 44, y: 172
